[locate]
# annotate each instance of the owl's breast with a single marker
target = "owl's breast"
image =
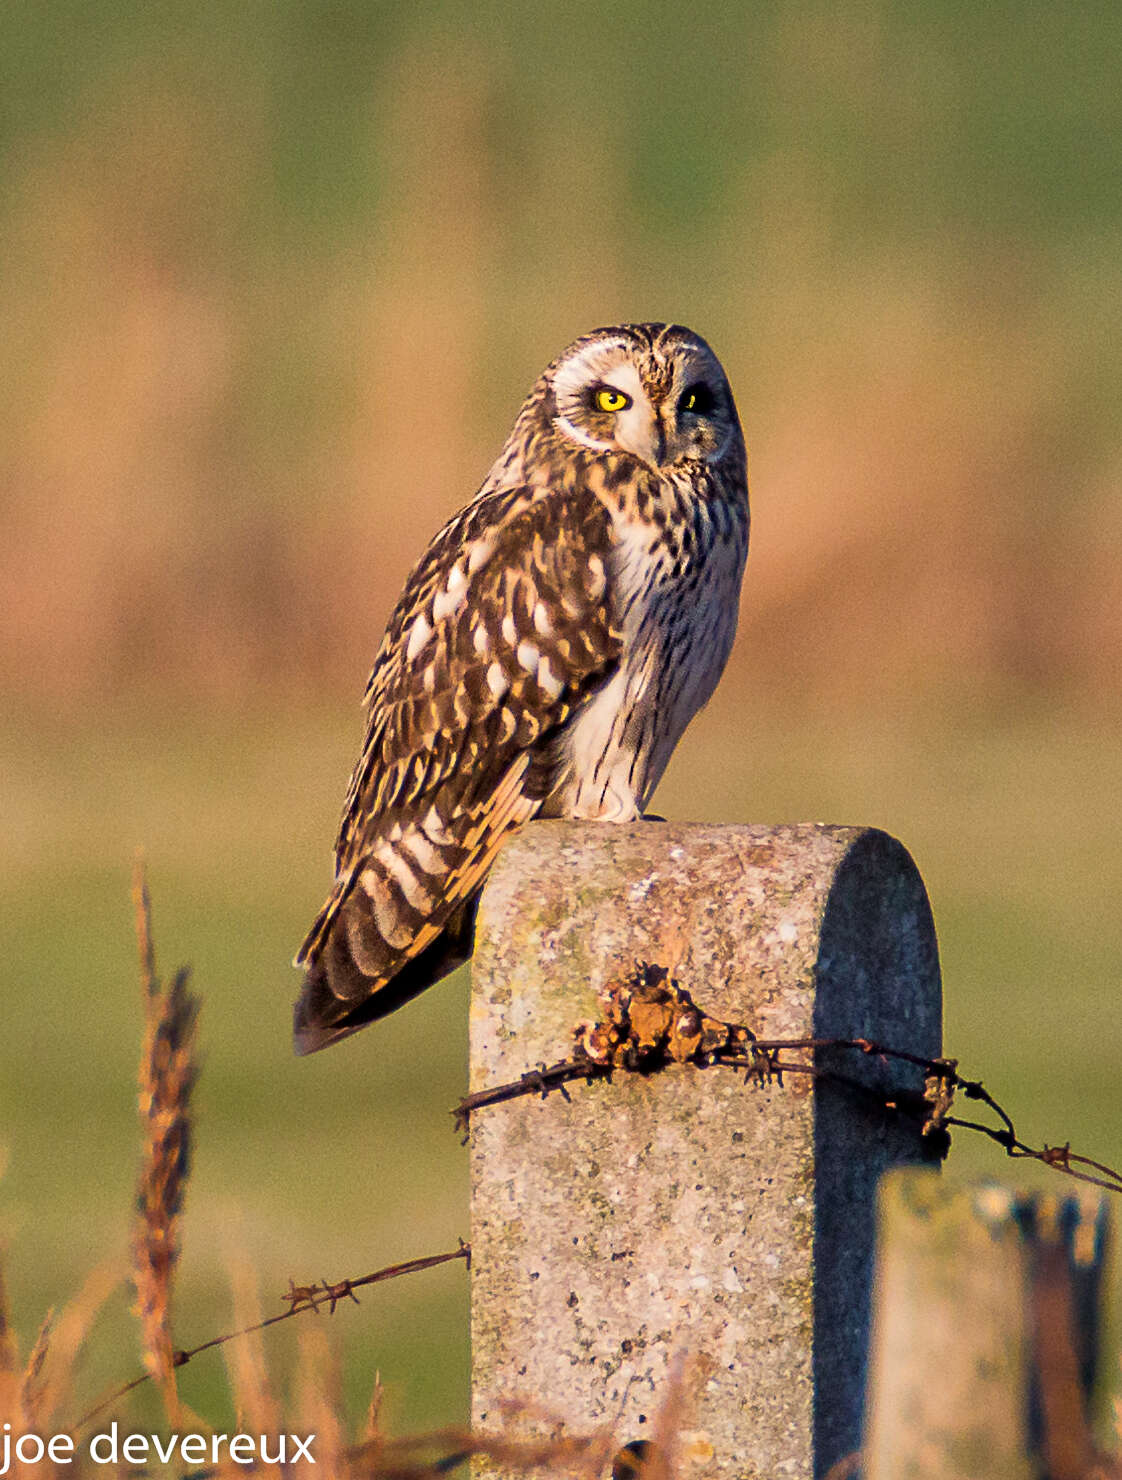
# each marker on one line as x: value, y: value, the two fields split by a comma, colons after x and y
x: 676, y: 596
x: 691, y: 620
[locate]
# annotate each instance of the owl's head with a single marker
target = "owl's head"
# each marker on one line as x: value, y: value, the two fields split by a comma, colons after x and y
x: 654, y: 391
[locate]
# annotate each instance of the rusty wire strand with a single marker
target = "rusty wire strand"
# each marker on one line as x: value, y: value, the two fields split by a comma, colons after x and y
x: 763, y: 1062
x: 301, y: 1298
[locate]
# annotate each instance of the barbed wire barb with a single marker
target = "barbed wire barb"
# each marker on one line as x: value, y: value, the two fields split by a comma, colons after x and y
x: 301, y: 1298
x: 612, y: 1044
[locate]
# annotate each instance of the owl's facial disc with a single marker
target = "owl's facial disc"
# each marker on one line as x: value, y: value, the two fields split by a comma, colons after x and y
x: 660, y: 409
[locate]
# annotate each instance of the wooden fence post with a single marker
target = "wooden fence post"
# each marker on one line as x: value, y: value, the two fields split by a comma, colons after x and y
x: 985, y: 1332
x: 688, y: 1217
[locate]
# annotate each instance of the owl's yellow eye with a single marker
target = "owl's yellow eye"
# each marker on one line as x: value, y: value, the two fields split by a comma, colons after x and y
x: 607, y: 398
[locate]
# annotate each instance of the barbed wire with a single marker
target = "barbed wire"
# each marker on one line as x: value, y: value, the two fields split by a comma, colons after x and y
x: 301, y: 1298
x: 651, y: 1021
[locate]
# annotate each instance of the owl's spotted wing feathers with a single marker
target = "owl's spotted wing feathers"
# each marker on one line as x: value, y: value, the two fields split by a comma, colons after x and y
x: 503, y: 630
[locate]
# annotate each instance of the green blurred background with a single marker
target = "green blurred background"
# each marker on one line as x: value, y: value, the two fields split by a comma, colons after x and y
x: 274, y: 281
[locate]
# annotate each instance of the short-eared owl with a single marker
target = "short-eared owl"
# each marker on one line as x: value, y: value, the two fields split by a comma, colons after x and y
x: 548, y: 651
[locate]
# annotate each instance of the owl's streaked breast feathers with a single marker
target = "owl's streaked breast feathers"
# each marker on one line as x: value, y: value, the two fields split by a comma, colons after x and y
x: 526, y: 667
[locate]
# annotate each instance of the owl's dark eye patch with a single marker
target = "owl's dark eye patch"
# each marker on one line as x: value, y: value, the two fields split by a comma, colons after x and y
x: 697, y: 398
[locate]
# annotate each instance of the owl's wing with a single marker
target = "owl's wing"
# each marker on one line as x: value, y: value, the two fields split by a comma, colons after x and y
x: 503, y: 629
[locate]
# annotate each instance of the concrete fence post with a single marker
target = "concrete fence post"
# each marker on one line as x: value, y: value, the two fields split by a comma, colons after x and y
x: 985, y: 1332
x: 688, y: 1220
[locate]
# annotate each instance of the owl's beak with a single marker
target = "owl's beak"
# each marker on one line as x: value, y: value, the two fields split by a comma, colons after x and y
x: 648, y: 440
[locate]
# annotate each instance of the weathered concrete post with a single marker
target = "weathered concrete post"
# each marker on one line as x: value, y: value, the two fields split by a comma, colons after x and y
x: 688, y: 1213
x: 985, y: 1331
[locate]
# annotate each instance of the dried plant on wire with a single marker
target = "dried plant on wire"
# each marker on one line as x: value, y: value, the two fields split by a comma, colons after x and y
x: 168, y: 1071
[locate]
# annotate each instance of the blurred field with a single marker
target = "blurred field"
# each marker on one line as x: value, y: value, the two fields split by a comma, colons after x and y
x: 274, y: 281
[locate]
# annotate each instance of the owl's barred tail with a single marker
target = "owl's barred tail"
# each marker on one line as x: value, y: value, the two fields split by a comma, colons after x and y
x: 355, y: 976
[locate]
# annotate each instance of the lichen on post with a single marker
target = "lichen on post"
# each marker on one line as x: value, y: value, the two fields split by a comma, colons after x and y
x: 687, y: 1220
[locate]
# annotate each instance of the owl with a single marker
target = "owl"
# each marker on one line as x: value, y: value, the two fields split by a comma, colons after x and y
x: 545, y: 656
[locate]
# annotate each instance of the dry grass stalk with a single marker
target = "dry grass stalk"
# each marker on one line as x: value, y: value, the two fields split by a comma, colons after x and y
x: 372, y: 1434
x: 146, y: 948
x: 669, y: 1440
x: 9, y: 1357
x: 168, y: 1071
x: 32, y: 1390
x: 9, y: 1362
x: 320, y: 1403
x: 167, y: 1077
x: 256, y: 1406
x: 53, y: 1363
x: 428, y: 1456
